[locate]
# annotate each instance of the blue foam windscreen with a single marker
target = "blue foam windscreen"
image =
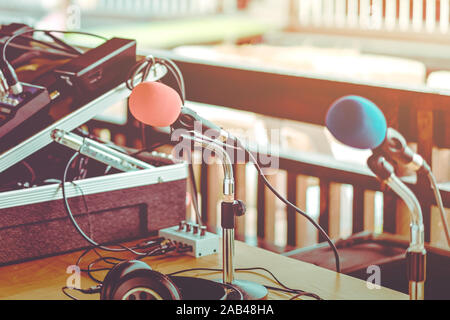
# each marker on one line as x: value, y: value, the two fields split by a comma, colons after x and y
x: 357, y: 122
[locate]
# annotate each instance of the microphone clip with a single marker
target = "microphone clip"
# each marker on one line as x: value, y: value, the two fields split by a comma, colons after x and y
x: 191, y: 121
x: 395, y: 148
x: 380, y: 166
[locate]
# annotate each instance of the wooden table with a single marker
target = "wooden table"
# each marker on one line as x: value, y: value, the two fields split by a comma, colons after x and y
x: 44, y: 278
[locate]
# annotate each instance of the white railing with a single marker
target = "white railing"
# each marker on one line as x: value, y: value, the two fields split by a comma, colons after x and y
x: 131, y: 8
x: 160, y: 8
x: 21, y: 4
x: 412, y: 16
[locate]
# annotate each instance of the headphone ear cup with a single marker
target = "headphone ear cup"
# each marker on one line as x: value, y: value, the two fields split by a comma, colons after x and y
x: 119, y: 271
x: 135, y: 280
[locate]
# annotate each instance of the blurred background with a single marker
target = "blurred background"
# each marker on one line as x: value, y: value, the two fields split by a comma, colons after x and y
x: 399, y: 43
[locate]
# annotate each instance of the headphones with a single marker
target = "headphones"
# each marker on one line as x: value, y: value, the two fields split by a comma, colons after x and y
x: 136, y: 280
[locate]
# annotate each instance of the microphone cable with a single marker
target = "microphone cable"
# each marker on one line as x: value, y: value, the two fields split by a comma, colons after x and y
x: 283, y: 288
x: 440, y: 204
x: 75, y: 224
x: 275, y: 192
x: 47, y: 32
x: 8, y: 71
x: 159, y: 250
x: 145, y: 65
x: 297, y: 209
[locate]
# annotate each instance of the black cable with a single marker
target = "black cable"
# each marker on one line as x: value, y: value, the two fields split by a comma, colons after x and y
x: 144, y: 66
x: 67, y: 294
x: 278, y: 195
x: 75, y: 224
x: 89, y: 272
x: 40, y: 50
x: 439, y: 203
x: 176, y: 72
x: 91, y: 290
x: 298, y: 293
x: 86, y: 207
x: 284, y: 289
x: 162, y: 249
x: 233, y: 288
x: 288, y: 203
x: 157, y: 247
x: 11, y: 38
x: 269, y: 272
x: 65, y: 45
x: 30, y: 170
x: 306, y: 294
x: 50, y: 45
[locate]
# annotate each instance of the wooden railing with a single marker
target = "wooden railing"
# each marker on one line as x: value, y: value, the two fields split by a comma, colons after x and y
x: 422, y: 115
x: 427, y: 20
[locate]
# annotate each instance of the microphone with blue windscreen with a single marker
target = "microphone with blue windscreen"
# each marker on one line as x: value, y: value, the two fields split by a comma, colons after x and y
x: 359, y: 123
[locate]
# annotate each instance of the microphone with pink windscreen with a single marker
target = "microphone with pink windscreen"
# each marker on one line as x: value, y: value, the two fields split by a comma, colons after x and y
x: 155, y: 104
x: 158, y: 105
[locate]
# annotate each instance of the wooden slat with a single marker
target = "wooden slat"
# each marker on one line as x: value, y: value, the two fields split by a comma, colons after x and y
x: 425, y: 149
x: 306, y: 233
x: 211, y: 190
x: 260, y: 208
x: 391, y: 15
x: 389, y: 212
x: 204, y: 192
x: 300, y: 232
x: 291, y: 213
x: 197, y: 173
x: 403, y: 219
x: 215, y: 194
x: 293, y: 14
x: 324, y: 213
x: 190, y: 211
x: 369, y: 210
x: 437, y: 236
x: 240, y: 194
x: 441, y: 120
x: 444, y: 16
x: 358, y: 209
x: 334, y: 221
x: 270, y: 210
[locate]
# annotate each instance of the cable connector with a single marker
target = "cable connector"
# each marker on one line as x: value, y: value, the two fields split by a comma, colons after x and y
x: 150, y: 243
x: 92, y: 290
x: 15, y: 87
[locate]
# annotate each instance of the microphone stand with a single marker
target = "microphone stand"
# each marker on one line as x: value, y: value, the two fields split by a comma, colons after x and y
x: 416, y: 253
x: 230, y: 208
